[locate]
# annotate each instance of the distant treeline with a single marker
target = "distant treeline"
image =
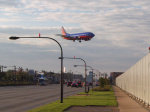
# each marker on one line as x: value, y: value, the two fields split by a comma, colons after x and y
x: 12, y: 77
x: 24, y: 77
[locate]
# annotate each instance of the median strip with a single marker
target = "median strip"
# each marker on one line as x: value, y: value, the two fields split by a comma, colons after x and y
x: 94, y: 98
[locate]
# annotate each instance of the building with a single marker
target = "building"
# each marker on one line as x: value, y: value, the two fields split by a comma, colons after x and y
x: 78, y: 77
x: 89, y: 77
x: 113, y: 76
x: 31, y: 72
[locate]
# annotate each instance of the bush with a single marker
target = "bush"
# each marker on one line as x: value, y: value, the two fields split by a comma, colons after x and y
x: 15, y: 83
x: 105, y: 88
x: 103, y: 82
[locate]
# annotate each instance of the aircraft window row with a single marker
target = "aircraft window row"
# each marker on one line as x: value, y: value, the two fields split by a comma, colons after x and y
x: 84, y: 34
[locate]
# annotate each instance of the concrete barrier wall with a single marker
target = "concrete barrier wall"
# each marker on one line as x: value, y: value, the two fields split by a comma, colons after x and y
x: 136, y: 80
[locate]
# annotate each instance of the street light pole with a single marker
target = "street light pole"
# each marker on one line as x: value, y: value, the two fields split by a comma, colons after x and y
x: 15, y: 71
x: 62, y: 76
x: 85, y: 68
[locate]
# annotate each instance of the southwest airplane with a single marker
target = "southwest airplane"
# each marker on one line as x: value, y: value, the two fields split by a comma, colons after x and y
x: 77, y: 36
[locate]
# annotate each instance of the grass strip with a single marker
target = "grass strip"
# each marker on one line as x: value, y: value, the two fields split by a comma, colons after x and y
x: 95, y: 98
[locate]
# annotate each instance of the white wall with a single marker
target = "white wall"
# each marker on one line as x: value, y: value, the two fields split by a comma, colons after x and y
x: 136, y: 80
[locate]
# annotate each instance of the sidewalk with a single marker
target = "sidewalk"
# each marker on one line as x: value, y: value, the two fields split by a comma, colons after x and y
x: 125, y: 103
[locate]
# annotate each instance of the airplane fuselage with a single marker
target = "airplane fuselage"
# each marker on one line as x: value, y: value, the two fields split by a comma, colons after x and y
x: 79, y: 36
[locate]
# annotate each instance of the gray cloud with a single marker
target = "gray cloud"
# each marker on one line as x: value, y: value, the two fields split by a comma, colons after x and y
x: 8, y: 3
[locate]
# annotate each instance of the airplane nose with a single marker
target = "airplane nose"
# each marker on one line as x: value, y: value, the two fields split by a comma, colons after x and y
x: 93, y: 35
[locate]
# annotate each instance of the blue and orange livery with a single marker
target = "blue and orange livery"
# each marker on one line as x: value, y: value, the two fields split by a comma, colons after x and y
x: 77, y: 36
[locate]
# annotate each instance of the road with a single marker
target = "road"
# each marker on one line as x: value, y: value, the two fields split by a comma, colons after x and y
x: 23, y: 98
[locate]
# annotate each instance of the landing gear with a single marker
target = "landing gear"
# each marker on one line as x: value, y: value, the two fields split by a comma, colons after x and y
x: 80, y: 41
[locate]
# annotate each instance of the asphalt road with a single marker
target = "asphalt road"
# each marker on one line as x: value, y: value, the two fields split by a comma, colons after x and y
x: 23, y: 98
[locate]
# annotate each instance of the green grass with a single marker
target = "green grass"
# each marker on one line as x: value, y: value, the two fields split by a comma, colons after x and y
x: 106, y: 98
x: 105, y: 88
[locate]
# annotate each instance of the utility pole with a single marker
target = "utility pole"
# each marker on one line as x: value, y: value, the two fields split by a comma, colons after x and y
x: 15, y: 72
x: 0, y: 68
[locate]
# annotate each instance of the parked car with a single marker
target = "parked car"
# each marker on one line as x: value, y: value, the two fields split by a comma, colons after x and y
x: 97, y: 83
x: 69, y: 83
x: 74, y: 84
x: 90, y: 84
x: 80, y: 84
x: 43, y: 82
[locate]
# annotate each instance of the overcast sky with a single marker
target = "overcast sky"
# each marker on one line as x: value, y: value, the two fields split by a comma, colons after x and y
x: 121, y: 28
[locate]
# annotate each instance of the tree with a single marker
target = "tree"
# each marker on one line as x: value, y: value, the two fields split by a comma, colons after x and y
x: 102, y: 82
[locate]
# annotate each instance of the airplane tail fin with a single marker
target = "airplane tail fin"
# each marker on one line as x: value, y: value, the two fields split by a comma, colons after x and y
x: 63, y: 34
x: 63, y: 31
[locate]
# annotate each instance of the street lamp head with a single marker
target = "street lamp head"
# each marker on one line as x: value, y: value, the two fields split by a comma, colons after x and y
x: 5, y: 66
x: 75, y: 65
x: 13, y: 38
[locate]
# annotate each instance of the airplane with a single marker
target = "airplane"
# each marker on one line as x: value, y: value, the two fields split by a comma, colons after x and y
x: 77, y: 36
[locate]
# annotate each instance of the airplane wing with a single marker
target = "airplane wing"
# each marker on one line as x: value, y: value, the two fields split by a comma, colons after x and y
x: 70, y: 37
x: 73, y: 37
x: 60, y: 35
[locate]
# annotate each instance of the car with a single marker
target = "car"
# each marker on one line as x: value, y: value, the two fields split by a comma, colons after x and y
x: 97, y: 83
x: 74, y: 84
x: 79, y: 84
x: 69, y: 83
x: 90, y: 84
x: 43, y: 82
